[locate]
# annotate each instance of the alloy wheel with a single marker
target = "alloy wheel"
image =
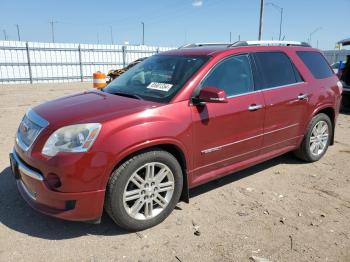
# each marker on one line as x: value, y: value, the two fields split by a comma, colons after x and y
x: 319, y: 138
x: 148, y: 191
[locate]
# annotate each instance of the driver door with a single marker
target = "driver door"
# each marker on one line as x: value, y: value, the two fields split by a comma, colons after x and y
x: 232, y: 132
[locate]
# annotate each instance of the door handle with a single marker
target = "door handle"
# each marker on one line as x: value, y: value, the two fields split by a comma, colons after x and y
x: 254, y: 107
x: 303, y: 97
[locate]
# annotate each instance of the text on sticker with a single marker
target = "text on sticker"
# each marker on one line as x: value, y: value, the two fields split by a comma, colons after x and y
x: 160, y: 86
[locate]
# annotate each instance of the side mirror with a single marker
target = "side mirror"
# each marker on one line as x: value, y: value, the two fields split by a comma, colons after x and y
x: 210, y: 95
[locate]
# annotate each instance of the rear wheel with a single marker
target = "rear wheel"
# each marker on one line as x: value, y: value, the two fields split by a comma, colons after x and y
x: 144, y: 190
x: 317, y: 139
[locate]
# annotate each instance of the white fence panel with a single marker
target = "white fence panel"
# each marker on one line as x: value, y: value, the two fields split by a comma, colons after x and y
x: 32, y: 62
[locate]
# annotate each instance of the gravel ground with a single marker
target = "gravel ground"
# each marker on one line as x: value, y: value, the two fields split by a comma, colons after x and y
x: 281, y: 210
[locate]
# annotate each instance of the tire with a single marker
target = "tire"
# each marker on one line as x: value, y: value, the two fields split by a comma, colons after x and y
x: 126, y: 179
x: 304, y: 152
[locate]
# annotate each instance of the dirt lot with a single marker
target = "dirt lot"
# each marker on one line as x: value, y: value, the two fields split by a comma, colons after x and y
x: 281, y: 210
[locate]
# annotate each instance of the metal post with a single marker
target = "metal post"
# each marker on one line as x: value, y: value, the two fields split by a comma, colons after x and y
x: 18, y: 32
x: 143, y: 33
x: 230, y: 37
x: 29, y: 64
x: 124, y: 55
x: 261, y: 18
x: 80, y: 65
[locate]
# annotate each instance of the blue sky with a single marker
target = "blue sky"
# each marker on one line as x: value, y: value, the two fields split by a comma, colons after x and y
x: 172, y: 23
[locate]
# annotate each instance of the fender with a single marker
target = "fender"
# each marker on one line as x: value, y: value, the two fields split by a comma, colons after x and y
x: 320, y: 108
x: 146, y: 145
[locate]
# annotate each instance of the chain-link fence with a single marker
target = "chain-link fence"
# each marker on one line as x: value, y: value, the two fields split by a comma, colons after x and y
x: 30, y: 62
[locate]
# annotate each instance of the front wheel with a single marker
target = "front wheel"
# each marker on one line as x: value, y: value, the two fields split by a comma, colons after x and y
x: 316, y: 139
x: 144, y: 190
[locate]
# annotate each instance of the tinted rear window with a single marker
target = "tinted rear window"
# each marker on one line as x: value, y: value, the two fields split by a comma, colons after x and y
x: 316, y: 63
x: 275, y: 69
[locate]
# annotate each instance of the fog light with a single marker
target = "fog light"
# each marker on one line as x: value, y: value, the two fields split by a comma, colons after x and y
x: 53, y: 181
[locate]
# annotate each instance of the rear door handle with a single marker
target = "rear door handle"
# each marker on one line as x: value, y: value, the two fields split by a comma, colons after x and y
x: 303, y: 97
x: 254, y: 107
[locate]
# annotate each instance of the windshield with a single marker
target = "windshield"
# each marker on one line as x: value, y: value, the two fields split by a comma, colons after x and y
x: 158, y: 78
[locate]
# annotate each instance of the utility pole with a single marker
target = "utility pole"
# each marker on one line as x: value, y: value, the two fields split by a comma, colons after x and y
x: 230, y: 37
x: 261, y: 18
x: 5, y: 34
x: 52, y: 23
x: 143, y: 33
x: 18, y: 32
x: 239, y: 37
x: 280, y: 9
x: 111, y: 30
x: 313, y: 32
x: 281, y: 20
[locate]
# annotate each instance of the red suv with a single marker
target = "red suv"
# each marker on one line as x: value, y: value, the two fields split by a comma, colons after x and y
x: 177, y: 120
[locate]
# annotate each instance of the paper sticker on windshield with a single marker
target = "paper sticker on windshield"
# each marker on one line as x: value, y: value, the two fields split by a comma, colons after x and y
x: 160, y: 86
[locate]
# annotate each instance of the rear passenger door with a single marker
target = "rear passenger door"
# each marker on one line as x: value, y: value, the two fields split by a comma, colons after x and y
x: 286, y: 99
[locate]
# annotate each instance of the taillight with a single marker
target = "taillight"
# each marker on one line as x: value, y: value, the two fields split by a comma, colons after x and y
x: 340, y: 86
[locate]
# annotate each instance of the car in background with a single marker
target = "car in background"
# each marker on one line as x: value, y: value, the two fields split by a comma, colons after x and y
x: 338, y: 67
x: 344, y: 76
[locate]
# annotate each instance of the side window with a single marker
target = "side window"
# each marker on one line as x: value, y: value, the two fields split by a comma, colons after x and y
x: 234, y: 75
x: 316, y: 63
x: 275, y: 70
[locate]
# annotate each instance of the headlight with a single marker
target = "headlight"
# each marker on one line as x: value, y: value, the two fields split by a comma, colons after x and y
x: 75, y: 138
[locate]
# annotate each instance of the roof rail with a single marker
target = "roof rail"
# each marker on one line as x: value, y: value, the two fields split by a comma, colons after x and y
x: 203, y: 45
x: 269, y: 43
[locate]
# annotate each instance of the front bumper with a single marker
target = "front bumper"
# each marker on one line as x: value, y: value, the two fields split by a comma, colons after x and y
x: 81, y: 206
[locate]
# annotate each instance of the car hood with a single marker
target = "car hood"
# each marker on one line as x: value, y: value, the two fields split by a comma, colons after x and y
x: 88, y: 107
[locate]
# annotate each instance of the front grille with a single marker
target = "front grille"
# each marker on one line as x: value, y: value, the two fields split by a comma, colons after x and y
x: 29, y: 129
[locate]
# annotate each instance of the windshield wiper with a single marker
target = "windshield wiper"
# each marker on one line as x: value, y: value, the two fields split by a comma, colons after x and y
x: 127, y: 95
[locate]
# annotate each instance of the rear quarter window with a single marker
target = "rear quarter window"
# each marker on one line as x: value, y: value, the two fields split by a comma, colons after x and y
x: 276, y: 69
x: 316, y: 63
